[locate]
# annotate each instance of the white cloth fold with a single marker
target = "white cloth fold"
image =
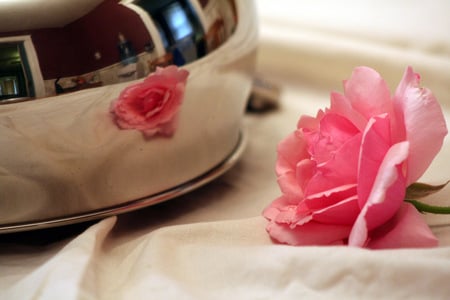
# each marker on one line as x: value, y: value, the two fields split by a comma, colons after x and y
x: 63, y: 273
x: 227, y: 259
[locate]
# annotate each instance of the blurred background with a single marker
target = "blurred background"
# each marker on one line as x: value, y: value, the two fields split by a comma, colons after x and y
x: 321, y: 41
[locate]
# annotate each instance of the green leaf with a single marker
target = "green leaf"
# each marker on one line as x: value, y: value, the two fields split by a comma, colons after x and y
x: 419, y: 190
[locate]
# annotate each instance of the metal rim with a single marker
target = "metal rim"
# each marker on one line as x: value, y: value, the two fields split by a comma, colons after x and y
x: 132, y: 205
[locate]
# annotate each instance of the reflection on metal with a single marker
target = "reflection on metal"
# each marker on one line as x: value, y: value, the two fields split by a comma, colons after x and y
x: 107, y: 43
x: 150, y: 200
x: 14, y: 73
x: 64, y: 159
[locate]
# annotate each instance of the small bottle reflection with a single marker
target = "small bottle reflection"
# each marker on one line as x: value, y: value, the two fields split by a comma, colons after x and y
x: 126, y: 51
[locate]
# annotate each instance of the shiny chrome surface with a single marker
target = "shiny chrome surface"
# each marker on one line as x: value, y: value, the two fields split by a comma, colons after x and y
x: 55, y: 47
x: 166, y: 195
x: 64, y: 160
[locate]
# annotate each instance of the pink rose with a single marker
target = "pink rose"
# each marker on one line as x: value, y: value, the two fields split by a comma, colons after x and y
x: 152, y: 105
x: 343, y: 174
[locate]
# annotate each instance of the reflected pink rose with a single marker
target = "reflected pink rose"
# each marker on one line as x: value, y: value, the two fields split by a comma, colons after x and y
x: 152, y: 106
x: 343, y: 174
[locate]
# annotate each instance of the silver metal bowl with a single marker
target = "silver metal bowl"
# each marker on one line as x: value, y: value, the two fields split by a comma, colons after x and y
x: 63, y: 160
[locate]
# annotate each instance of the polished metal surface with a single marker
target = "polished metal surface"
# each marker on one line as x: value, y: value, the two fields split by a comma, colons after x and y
x: 49, y: 48
x: 150, y: 200
x: 63, y: 158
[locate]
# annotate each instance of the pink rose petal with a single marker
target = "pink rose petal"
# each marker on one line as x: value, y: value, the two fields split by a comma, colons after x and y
x: 344, y: 212
x: 290, y: 151
x: 368, y: 93
x: 276, y: 206
x: 308, y: 122
x: 340, y: 105
x: 284, y: 210
x: 339, y: 170
x: 374, y: 146
x: 406, y: 229
x: 423, y: 120
x: 343, y: 174
x: 386, y: 196
x: 306, y: 168
x: 330, y: 197
x: 334, y: 131
x: 311, y: 233
x: 289, y: 185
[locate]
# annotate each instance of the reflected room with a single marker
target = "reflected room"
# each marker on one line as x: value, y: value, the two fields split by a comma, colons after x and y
x: 92, y: 43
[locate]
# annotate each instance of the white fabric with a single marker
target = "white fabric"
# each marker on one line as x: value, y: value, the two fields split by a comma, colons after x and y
x: 211, y: 243
x: 324, y: 39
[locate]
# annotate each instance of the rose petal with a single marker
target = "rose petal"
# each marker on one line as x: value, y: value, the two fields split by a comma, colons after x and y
x: 386, y: 195
x: 344, y: 212
x: 406, y: 229
x: 335, y: 131
x: 287, y: 215
x: 344, y: 173
x: 306, y: 168
x: 423, y: 120
x: 284, y: 210
x: 368, y: 92
x: 290, y: 151
x: 311, y: 123
x: 340, y: 105
x: 338, y: 171
x: 276, y: 206
x: 289, y: 185
x: 311, y: 233
x: 330, y: 197
x: 375, y: 143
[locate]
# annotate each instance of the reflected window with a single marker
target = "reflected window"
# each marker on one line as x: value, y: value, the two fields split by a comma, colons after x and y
x: 177, y: 21
x: 179, y: 27
x: 14, y: 72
